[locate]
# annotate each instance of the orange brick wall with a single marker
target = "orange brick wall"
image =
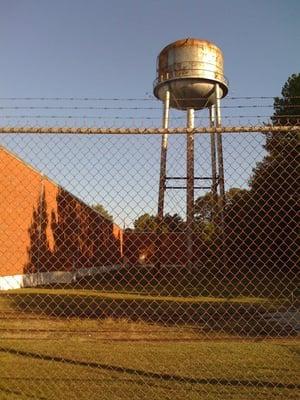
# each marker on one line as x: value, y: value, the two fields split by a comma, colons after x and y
x: 43, y: 227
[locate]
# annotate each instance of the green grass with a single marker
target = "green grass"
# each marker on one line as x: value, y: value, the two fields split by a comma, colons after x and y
x: 91, y: 369
x: 214, y: 315
x: 87, y: 345
x: 140, y: 297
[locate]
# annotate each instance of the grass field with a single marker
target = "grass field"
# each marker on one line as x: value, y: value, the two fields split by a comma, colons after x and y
x: 45, y: 355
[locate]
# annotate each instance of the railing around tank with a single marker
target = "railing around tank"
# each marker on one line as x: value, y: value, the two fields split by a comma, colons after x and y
x: 193, y: 73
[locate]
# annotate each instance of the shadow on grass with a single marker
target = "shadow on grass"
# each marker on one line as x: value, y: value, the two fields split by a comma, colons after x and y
x: 152, y: 375
x: 205, y: 280
x: 212, y: 315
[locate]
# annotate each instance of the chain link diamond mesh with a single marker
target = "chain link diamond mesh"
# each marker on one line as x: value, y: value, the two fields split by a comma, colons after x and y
x: 100, y: 299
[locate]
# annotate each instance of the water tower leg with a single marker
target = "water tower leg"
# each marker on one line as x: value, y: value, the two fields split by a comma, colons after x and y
x: 213, y: 165
x: 220, y: 150
x: 163, y: 158
x: 224, y: 260
x: 190, y: 185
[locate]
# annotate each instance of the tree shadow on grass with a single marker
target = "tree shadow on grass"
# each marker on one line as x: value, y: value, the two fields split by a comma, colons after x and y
x: 207, y: 317
x: 153, y: 375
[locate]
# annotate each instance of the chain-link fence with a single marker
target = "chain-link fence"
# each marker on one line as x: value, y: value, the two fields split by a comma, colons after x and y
x: 101, y: 299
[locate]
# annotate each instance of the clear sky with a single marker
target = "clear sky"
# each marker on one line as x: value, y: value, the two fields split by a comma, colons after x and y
x: 108, y: 49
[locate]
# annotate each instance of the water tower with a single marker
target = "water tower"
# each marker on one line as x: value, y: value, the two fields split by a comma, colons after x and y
x: 190, y: 77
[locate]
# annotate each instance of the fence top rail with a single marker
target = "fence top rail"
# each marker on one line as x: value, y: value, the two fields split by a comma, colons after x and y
x: 144, y: 131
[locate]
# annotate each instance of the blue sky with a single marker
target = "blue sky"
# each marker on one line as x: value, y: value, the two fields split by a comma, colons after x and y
x: 108, y: 49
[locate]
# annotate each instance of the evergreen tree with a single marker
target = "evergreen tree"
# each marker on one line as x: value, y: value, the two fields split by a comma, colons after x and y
x: 262, y: 231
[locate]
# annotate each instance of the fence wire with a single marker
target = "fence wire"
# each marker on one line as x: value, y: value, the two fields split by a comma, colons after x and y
x: 101, y: 299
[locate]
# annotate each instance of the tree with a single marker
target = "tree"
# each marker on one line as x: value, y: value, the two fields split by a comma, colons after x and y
x: 287, y: 107
x: 102, y: 211
x: 278, y: 168
x: 235, y: 196
x: 262, y: 231
x: 203, y: 209
x: 204, y: 205
x: 276, y: 176
x: 146, y: 223
x: 172, y: 223
x: 151, y: 223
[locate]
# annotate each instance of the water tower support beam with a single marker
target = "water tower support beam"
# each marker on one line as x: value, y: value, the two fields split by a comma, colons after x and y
x: 213, y: 164
x: 220, y: 148
x: 163, y: 157
x: 190, y: 184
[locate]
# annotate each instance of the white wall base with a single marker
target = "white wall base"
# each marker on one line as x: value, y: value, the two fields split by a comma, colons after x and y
x: 46, y: 278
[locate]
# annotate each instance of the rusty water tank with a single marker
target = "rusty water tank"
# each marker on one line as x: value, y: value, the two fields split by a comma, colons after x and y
x: 189, y: 69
